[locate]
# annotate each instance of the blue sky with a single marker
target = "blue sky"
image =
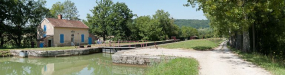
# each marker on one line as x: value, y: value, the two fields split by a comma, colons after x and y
x: 142, y: 7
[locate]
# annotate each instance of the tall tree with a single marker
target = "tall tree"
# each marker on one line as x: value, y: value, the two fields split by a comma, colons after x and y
x: 166, y: 22
x: 101, y: 21
x: 22, y: 16
x: 67, y: 9
x: 145, y: 28
x: 6, y: 7
x: 262, y: 20
x: 122, y: 16
x: 110, y: 19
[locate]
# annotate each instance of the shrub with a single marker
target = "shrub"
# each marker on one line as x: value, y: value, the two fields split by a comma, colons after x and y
x: 202, y: 48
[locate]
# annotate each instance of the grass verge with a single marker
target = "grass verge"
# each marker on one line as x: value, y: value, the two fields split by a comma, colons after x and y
x: 201, y: 44
x: 276, y: 67
x: 178, y: 66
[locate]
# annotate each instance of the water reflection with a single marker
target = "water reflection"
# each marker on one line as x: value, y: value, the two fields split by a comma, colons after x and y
x: 96, y: 64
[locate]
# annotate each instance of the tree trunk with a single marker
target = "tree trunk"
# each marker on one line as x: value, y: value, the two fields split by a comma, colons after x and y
x: 104, y: 36
x: 253, y: 38
x: 239, y: 41
x: 18, y: 41
x: 2, y: 42
x: 246, y: 41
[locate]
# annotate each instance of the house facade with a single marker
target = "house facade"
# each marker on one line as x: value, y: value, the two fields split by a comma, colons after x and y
x: 60, y: 32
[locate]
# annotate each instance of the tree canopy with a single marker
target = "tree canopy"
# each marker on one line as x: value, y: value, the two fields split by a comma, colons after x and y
x: 187, y: 32
x: 251, y: 25
x: 192, y: 23
x: 19, y: 19
x: 110, y: 19
x: 67, y: 9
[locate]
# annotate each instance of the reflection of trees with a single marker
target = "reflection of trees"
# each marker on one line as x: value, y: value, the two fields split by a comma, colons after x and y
x: 15, y: 68
x: 106, y: 67
x: 98, y: 64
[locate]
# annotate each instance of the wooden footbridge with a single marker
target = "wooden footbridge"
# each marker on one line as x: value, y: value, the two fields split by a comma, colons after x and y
x: 127, y: 47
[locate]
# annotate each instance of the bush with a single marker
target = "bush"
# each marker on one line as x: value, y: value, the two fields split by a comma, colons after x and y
x: 202, y: 48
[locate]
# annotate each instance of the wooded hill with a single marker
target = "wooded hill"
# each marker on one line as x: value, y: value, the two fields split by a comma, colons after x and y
x: 195, y: 23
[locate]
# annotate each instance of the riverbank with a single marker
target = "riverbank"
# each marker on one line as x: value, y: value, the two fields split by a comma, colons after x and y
x: 71, y: 50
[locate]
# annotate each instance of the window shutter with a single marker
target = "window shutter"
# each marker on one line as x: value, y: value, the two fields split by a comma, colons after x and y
x: 61, y: 38
x: 45, y: 28
x: 89, y: 40
x: 82, y: 37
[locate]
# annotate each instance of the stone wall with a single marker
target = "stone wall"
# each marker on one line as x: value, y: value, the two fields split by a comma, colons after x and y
x: 118, y: 58
x: 85, y: 51
x: 43, y: 53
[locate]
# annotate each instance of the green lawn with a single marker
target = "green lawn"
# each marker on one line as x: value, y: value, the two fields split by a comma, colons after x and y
x: 276, y: 67
x: 178, y: 66
x: 190, y: 44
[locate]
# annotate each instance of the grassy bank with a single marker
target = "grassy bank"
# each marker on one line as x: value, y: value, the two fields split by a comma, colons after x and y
x: 178, y: 66
x: 200, y: 44
x: 276, y: 67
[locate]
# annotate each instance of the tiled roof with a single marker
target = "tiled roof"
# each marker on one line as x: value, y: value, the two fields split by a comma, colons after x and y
x: 66, y: 23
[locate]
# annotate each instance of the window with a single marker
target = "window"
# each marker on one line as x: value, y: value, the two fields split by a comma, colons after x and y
x: 82, y: 37
x: 61, y: 38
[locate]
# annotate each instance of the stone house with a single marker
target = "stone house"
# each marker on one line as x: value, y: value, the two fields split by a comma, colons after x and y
x: 60, y: 32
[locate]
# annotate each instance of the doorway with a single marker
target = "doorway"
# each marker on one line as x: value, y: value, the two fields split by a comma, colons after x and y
x: 49, y: 43
x: 72, y: 39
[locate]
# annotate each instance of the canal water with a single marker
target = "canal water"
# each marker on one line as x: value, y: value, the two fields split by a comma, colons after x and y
x: 95, y: 64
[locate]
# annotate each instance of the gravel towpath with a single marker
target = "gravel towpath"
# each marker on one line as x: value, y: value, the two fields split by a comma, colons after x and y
x: 220, y: 61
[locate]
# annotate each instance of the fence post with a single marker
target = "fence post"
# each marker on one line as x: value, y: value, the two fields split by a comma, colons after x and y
x: 105, y: 43
x: 129, y: 44
x: 155, y: 45
x: 146, y: 44
x: 141, y: 44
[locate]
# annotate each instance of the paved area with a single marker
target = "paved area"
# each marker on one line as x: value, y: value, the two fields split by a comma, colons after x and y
x: 220, y: 61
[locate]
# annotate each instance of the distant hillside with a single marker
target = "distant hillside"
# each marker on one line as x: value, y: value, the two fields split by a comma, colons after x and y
x: 192, y: 23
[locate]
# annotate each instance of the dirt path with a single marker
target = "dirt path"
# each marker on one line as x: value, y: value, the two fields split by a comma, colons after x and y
x: 221, y: 61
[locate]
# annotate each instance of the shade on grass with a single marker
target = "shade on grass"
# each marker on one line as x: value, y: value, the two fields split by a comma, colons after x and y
x: 276, y: 67
x: 178, y: 66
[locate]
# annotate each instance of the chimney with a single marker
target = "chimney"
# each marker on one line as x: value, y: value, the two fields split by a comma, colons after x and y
x: 59, y: 16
